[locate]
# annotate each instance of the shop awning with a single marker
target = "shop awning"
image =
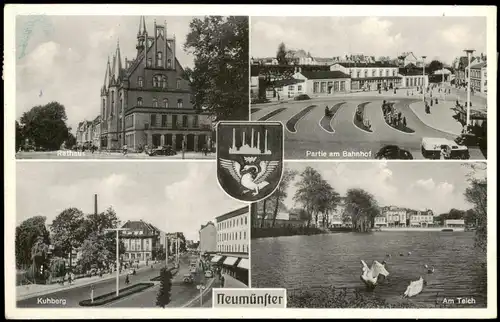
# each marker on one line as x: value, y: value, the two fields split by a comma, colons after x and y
x: 215, y: 259
x: 230, y: 261
x: 244, y: 263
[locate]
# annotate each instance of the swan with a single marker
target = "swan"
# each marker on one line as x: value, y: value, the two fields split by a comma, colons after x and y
x: 370, y: 275
x: 409, y: 253
x: 429, y: 270
x: 415, y: 287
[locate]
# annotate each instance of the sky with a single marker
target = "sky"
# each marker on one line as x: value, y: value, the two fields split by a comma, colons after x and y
x: 64, y: 58
x: 173, y: 196
x: 442, y: 38
x: 415, y: 185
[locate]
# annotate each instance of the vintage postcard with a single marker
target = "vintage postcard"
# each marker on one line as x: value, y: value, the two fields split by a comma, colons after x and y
x: 250, y: 161
x: 375, y: 235
x: 127, y: 86
x: 123, y: 235
x: 373, y: 87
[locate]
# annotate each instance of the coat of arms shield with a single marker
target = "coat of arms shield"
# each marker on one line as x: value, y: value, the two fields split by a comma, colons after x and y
x: 249, y: 158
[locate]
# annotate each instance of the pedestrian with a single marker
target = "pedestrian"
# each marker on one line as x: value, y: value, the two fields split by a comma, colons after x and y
x: 66, y: 278
x: 92, y: 293
x: 404, y: 121
x: 222, y: 280
x: 127, y: 280
x: 124, y: 149
x: 72, y: 276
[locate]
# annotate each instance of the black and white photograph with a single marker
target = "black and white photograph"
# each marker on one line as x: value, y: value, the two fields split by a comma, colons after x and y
x: 374, y: 235
x: 124, y: 235
x: 373, y: 87
x: 100, y: 87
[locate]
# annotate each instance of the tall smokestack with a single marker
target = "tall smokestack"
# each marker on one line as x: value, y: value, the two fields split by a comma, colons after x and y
x: 95, y: 204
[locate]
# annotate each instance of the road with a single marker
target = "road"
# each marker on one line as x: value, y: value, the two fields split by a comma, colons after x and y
x: 181, y: 293
x: 305, y: 129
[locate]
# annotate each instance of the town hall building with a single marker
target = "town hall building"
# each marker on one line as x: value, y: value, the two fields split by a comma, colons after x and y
x: 147, y: 100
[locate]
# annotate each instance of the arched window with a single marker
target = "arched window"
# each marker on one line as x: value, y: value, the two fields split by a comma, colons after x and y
x: 164, y: 81
x: 140, y: 81
x: 165, y: 102
x: 103, y: 108
x: 358, y: 73
x: 387, y: 73
x: 374, y: 72
x: 179, y: 103
x: 139, y: 101
x: 159, y: 59
x: 178, y: 84
x: 169, y: 63
x: 366, y: 72
x: 112, y: 103
x: 155, y: 102
x: 155, y: 81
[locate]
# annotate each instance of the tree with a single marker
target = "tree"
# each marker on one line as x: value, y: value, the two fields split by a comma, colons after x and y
x: 27, y: 235
x: 39, y: 255
x: 363, y: 209
x: 434, y: 66
x: 281, y: 54
x: 19, y: 136
x: 163, y: 296
x: 45, y: 125
x: 97, y: 223
x: 219, y: 78
x: 280, y: 193
x: 308, y: 185
x: 68, y: 232
x: 477, y: 195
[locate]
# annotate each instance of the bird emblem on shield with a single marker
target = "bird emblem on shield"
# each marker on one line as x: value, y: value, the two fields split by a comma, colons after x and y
x: 249, y: 158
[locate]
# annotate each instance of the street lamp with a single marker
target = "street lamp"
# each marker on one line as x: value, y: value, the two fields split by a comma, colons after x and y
x: 469, y: 53
x: 423, y: 79
x: 201, y: 287
x: 117, y: 255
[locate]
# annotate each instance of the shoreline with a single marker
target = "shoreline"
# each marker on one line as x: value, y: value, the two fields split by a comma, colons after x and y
x: 441, y: 229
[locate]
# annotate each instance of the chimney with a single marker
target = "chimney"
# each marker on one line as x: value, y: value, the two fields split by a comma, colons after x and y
x: 95, y: 204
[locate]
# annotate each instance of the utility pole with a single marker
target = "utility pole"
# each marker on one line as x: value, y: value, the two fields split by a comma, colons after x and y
x: 117, y: 256
x: 177, y: 249
x: 166, y: 252
x: 469, y: 53
x: 423, y: 79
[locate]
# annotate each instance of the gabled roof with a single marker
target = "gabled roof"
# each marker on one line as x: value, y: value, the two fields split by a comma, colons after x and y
x: 478, y: 66
x: 324, y: 74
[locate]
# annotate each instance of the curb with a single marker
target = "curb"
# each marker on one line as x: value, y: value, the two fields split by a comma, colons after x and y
x: 433, y: 127
x: 64, y: 288
x: 209, y: 288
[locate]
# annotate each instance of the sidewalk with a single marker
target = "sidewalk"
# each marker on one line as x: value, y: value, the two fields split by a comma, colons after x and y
x: 441, y: 117
x: 28, y: 291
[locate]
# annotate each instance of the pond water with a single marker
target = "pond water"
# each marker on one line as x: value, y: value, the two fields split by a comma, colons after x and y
x: 318, y: 261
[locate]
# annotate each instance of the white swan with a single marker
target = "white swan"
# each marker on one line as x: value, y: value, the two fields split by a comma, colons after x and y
x: 370, y: 275
x: 415, y: 287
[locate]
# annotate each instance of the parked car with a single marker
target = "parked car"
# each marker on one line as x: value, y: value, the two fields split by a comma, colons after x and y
x: 432, y: 147
x: 468, y: 139
x: 161, y: 150
x: 301, y: 97
x: 188, y: 279
x: 209, y: 274
x: 393, y: 152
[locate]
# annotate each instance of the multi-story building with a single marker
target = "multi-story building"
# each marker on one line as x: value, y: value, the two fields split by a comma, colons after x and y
x: 381, y: 221
x: 408, y: 58
x: 421, y: 218
x: 142, y: 241
x: 208, y: 238
x: 319, y: 83
x: 370, y: 76
x: 454, y: 223
x: 478, y: 80
x: 147, y: 100
x: 96, y: 132
x: 396, y: 217
x: 233, y: 247
x: 413, y: 76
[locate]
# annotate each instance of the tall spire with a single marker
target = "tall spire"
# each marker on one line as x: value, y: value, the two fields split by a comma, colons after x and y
x: 144, y: 25
x: 118, y: 60
x: 106, y: 75
x: 139, y: 33
x: 113, y: 70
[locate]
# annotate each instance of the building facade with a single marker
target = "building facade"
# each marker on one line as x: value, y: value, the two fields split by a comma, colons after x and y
x: 208, y: 238
x: 320, y: 83
x: 147, y: 100
x: 413, y: 76
x: 381, y: 221
x: 370, y: 76
x: 478, y: 80
x: 233, y: 246
x: 142, y: 241
x: 395, y: 216
x: 421, y: 218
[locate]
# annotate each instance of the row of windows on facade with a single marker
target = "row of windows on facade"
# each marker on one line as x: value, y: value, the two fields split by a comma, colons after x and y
x: 159, y: 61
x: 360, y: 72
x: 323, y: 89
x: 235, y: 235
x: 165, y: 102
x: 403, y: 217
x: 243, y: 248
x: 155, y: 121
x: 476, y: 73
x: 235, y: 222
x: 159, y: 81
x: 137, y: 256
x: 136, y: 245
